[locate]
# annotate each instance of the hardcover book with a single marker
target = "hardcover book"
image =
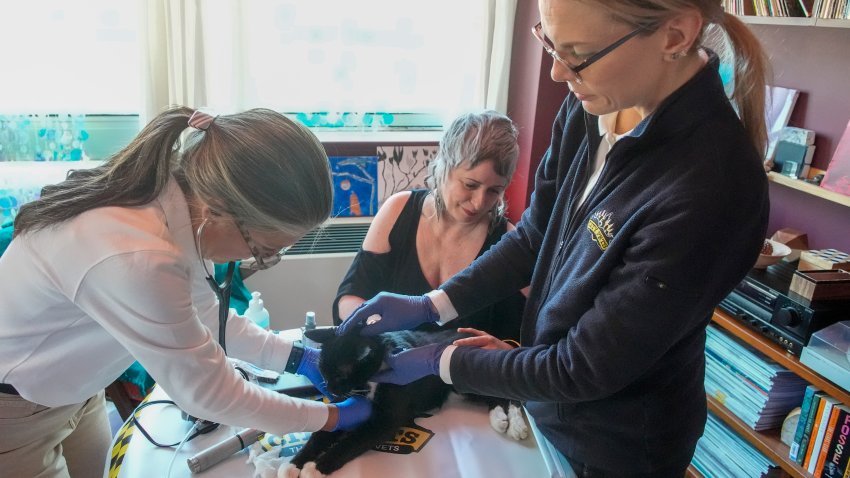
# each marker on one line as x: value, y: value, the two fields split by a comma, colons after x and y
x: 827, y: 439
x: 838, y: 454
x: 801, y: 423
x: 819, y: 430
x: 811, y: 419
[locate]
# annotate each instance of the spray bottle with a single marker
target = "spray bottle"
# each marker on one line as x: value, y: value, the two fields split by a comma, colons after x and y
x: 256, y: 311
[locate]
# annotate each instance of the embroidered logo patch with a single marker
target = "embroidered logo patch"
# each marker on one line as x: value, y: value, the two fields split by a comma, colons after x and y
x: 601, y: 228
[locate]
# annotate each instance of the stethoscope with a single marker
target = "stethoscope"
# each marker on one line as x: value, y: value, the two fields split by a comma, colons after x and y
x: 221, y: 290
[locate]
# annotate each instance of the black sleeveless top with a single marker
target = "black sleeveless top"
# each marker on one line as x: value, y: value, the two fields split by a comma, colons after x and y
x: 399, y: 271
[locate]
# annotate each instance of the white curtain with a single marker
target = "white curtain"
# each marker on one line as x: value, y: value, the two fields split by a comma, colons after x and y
x: 497, y: 60
x: 192, y: 55
x: 173, y: 66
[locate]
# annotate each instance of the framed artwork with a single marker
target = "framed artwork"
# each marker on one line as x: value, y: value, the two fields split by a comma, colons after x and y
x: 355, y: 185
x: 401, y: 168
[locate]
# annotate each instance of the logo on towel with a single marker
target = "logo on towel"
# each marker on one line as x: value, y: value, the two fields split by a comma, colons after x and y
x: 289, y: 444
x: 407, y: 440
x: 601, y: 228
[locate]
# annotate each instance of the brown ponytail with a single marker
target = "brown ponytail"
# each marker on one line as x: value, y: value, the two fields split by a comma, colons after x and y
x: 751, y: 70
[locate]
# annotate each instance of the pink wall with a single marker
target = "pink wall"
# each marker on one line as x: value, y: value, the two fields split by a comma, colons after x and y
x: 816, y: 61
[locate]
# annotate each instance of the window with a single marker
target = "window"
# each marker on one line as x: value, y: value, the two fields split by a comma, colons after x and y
x: 88, y: 70
x: 413, y: 63
x: 70, y: 57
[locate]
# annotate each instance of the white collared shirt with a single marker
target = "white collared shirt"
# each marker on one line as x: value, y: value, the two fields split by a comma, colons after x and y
x: 607, y: 124
x: 82, y: 299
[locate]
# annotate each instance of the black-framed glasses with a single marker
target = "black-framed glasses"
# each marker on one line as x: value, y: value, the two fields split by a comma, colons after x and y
x: 260, y: 262
x: 549, y: 47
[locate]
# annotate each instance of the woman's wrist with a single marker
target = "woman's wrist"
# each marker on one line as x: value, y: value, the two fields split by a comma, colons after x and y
x: 333, y: 418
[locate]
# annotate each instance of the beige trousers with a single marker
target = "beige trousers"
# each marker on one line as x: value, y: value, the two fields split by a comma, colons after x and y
x: 41, y: 442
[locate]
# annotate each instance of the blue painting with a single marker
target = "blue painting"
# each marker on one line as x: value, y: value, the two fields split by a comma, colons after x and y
x: 355, y: 185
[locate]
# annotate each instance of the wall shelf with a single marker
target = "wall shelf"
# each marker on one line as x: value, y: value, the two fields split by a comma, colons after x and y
x: 768, y: 442
x: 809, y: 188
x: 795, y: 21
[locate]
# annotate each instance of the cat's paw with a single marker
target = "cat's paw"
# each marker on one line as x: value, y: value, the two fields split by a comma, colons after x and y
x: 309, y: 471
x: 518, y: 428
x: 499, y: 419
x: 288, y: 470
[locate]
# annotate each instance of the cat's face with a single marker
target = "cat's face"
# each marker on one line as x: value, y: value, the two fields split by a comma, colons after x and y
x: 347, y: 362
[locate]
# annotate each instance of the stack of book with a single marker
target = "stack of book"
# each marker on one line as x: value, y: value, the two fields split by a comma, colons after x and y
x: 721, y: 453
x: 821, y: 439
x: 753, y: 387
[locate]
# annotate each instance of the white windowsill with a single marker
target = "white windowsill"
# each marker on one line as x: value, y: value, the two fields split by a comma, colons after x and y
x: 326, y: 136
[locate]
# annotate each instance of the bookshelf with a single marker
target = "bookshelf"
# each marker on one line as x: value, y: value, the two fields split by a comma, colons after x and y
x: 769, y: 442
x: 795, y: 21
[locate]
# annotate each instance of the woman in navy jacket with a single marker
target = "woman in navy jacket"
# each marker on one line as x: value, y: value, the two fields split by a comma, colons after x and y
x: 649, y: 206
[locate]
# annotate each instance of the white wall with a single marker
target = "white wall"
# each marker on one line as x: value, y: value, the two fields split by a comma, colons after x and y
x: 298, y: 284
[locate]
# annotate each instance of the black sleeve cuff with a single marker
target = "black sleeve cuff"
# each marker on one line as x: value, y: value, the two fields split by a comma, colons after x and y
x: 294, y: 357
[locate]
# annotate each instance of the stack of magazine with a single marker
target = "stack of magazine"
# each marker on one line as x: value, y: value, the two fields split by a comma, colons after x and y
x: 721, y: 453
x: 756, y: 389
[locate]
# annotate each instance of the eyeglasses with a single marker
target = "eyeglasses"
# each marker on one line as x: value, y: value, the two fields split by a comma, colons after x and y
x: 259, y: 261
x: 537, y: 31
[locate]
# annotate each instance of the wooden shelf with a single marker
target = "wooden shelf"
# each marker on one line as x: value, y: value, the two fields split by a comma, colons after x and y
x: 766, y: 442
x: 795, y: 21
x: 782, y: 356
x: 809, y: 188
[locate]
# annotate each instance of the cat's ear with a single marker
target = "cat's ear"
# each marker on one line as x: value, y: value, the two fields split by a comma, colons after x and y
x: 321, y: 335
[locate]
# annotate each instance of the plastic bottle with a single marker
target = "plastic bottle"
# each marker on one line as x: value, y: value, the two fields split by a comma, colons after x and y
x: 257, y: 312
x: 309, y: 324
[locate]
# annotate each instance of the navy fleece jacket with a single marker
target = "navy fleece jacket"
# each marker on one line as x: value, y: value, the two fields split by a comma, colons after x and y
x: 623, y: 286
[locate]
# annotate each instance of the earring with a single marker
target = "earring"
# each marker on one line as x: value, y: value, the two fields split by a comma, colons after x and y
x: 679, y: 54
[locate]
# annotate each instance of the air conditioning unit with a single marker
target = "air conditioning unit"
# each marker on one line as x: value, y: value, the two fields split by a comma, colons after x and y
x: 309, y: 274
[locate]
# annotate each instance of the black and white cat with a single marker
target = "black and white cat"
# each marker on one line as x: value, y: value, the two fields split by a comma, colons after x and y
x: 347, y: 362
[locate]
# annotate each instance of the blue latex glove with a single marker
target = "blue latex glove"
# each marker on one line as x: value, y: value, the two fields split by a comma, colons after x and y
x: 412, y: 364
x: 353, y: 411
x: 397, y: 312
x: 309, y: 367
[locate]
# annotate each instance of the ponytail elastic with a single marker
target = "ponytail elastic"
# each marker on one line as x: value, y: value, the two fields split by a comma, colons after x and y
x: 201, y: 119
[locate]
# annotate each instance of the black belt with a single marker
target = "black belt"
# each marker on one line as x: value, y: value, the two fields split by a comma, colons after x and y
x: 8, y: 389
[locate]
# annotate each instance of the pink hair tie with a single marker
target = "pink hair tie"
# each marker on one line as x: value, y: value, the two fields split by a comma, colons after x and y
x: 201, y: 119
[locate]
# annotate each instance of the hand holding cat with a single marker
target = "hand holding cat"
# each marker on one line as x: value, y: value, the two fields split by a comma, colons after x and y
x: 353, y: 411
x: 309, y: 367
x: 412, y: 364
x: 394, y: 311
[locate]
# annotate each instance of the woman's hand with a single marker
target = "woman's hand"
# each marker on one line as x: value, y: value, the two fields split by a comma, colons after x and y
x: 387, y: 312
x: 482, y: 339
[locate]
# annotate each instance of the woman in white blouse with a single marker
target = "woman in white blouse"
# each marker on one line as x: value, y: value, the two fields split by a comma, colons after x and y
x: 112, y: 266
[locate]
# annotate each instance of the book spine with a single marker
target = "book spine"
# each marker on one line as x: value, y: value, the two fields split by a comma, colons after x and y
x: 829, y: 402
x: 811, y: 429
x: 801, y: 423
x: 827, y: 440
x: 837, y: 457
x: 817, y: 432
